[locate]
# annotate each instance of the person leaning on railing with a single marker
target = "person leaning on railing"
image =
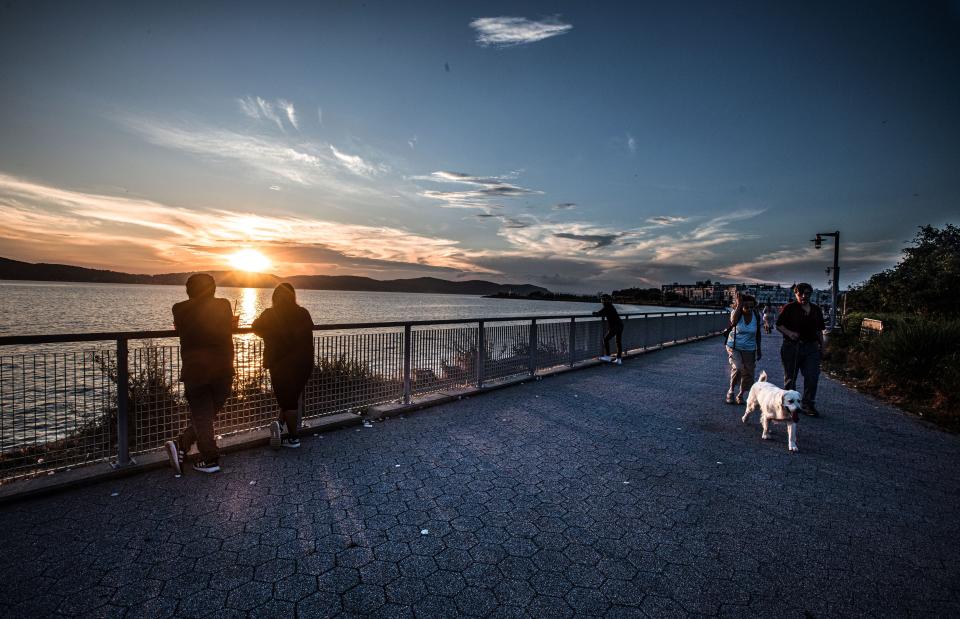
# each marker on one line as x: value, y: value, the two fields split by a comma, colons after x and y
x: 205, y: 327
x: 287, y: 332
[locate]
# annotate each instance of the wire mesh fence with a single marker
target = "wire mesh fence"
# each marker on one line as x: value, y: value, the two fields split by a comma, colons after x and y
x: 61, y: 409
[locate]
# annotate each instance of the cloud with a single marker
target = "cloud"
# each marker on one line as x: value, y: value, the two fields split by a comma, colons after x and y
x: 287, y: 107
x: 305, y: 163
x: 564, y: 206
x: 356, y: 164
x: 259, y: 108
x: 666, y: 220
x: 482, y: 193
x: 631, y: 143
x: 510, y: 31
x: 44, y: 215
x: 860, y: 261
x: 412, y: 142
x: 597, y: 240
x: 320, y: 115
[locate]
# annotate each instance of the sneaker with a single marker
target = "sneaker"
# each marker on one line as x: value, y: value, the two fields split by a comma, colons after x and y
x: 605, y: 358
x: 292, y: 443
x: 275, y: 435
x: 213, y: 466
x: 729, y: 399
x: 618, y: 361
x: 175, y: 457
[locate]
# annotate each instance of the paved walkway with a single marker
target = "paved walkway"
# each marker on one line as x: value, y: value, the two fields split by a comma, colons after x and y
x: 620, y: 491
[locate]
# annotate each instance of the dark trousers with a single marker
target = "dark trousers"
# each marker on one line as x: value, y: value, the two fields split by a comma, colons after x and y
x: 617, y: 333
x: 802, y: 358
x: 206, y: 400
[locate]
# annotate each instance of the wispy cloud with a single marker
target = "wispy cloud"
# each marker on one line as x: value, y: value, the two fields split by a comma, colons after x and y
x: 666, y: 220
x: 412, y: 142
x: 199, y: 237
x: 320, y: 115
x: 631, y: 143
x: 482, y: 193
x: 564, y: 206
x: 595, y: 240
x: 356, y: 164
x: 276, y: 156
x: 287, y: 107
x: 509, y: 31
x: 259, y: 108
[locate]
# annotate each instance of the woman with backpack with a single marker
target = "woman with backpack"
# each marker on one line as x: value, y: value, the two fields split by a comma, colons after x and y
x: 743, y: 348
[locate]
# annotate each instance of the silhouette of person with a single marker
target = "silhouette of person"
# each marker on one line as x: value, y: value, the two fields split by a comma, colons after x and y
x: 205, y: 326
x: 801, y: 323
x: 287, y: 332
x: 614, y: 329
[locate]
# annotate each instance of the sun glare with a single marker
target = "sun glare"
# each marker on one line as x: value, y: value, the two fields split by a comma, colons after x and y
x: 249, y: 260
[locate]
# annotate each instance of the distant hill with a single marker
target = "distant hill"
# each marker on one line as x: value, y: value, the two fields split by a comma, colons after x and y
x: 16, y: 270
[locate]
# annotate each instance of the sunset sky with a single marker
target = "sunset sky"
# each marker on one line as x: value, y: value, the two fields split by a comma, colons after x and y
x: 580, y: 146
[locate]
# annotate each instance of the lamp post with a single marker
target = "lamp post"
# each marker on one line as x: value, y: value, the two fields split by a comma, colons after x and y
x: 817, y: 242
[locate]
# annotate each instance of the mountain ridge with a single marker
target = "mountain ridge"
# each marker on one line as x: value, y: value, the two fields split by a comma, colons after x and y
x: 18, y: 270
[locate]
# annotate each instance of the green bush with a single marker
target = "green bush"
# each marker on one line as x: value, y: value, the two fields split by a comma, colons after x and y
x: 915, y: 362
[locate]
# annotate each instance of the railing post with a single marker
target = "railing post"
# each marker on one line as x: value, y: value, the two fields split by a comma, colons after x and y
x: 481, y: 353
x: 573, y: 340
x: 407, y: 339
x: 123, y: 402
x: 533, y: 346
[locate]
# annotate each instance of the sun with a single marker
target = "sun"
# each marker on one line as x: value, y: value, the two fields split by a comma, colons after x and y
x: 249, y: 260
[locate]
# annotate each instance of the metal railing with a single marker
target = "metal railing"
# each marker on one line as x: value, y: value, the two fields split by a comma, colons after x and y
x: 60, y: 405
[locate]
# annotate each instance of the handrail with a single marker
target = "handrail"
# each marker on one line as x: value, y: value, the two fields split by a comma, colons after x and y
x: 15, y: 340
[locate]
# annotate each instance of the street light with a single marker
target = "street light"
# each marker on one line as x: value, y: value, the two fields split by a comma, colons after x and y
x: 818, y: 243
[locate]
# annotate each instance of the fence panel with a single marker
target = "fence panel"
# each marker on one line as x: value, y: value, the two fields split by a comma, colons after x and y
x: 59, y: 402
x: 58, y: 410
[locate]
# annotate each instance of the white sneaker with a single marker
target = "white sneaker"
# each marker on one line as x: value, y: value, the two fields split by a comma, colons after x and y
x: 275, y: 435
x: 618, y: 361
x: 605, y: 358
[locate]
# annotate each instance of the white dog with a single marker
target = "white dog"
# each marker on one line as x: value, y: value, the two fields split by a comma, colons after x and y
x: 775, y: 404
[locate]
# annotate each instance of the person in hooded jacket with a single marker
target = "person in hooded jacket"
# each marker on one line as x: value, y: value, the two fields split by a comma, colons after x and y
x: 287, y: 332
x: 614, y: 329
x: 205, y: 325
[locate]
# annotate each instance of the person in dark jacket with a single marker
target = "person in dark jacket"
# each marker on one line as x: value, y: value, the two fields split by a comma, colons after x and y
x: 287, y: 332
x: 614, y: 329
x: 801, y: 323
x: 205, y: 326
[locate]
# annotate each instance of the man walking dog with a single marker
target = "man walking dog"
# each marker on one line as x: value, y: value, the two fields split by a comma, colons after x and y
x: 801, y: 323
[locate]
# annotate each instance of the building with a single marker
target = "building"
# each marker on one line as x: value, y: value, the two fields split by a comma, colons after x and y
x: 715, y: 293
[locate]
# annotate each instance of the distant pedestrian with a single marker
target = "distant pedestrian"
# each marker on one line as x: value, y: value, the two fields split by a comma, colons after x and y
x: 614, y: 329
x: 801, y: 323
x: 287, y: 332
x: 743, y: 348
x: 768, y: 317
x: 205, y: 327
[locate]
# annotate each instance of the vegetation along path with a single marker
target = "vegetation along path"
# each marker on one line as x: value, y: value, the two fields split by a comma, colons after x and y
x: 622, y: 491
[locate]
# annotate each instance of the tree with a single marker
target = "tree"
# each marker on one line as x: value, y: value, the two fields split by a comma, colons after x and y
x: 925, y: 282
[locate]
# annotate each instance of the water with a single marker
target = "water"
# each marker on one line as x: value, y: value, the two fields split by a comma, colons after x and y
x: 35, y: 308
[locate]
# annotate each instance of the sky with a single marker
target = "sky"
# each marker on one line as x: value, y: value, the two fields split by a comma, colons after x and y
x: 578, y: 146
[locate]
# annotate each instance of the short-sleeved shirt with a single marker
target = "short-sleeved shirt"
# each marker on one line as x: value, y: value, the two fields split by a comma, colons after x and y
x: 807, y: 325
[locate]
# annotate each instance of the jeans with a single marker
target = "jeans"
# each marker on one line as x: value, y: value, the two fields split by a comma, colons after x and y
x: 802, y: 358
x: 206, y: 400
x: 743, y: 364
x: 613, y: 333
